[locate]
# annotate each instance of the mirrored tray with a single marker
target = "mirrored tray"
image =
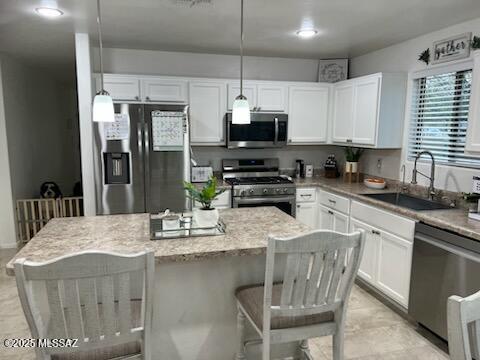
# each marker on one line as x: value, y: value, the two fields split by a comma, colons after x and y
x: 162, y: 228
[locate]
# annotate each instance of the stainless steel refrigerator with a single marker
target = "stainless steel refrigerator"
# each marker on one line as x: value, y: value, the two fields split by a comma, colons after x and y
x: 142, y: 159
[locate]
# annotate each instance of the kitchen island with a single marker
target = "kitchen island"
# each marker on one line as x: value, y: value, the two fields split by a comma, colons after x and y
x: 194, y: 307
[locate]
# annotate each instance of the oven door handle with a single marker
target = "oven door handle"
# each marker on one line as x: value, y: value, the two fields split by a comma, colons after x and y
x: 257, y: 200
x: 275, y: 140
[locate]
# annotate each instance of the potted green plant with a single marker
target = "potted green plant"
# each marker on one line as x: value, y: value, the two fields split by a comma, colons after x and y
x: 352, y: 155
x: 206, y: 215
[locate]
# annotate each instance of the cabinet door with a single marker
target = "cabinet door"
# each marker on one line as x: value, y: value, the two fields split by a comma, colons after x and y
x: 164, y: 90
x: 368, y: 265
x: 306, y: 214
x: 365, y: 110
x: 394, y: 266
x: 340, y: 222
x: 249, y: 91
x: 207, y: 111
x: 308, y: 114
x: 325, y: 218
x: 343, y: 113
x: 121, y: 88
x: 271, y: 97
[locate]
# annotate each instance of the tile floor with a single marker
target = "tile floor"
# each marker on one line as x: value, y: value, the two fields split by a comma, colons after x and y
x: 373, y: 331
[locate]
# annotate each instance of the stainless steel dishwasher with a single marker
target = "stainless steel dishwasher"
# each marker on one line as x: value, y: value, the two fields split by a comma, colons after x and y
x: 443, y: 264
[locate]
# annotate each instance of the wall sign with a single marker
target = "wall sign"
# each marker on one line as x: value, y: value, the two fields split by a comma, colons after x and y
x: 453, y: 48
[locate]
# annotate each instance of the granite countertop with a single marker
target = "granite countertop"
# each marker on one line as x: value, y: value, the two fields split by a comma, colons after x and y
x: 455, y: 220
x: 246, y: 234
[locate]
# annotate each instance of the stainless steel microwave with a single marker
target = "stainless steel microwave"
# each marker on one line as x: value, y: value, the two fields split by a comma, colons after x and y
x: 266, y: 130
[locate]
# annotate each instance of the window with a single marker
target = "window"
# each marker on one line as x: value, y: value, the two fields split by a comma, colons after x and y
x: 439, y: 118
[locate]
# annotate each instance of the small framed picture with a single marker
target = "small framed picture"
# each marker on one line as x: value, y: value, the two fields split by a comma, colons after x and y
x: 453, y: 48
x: 333, y: 70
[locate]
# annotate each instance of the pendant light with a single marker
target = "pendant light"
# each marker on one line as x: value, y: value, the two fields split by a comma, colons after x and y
x: 241, y: 109
x: 102, y: 103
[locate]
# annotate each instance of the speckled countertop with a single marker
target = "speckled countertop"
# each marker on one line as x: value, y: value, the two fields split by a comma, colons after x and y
x: 246, y: 234
x: 455, y: 220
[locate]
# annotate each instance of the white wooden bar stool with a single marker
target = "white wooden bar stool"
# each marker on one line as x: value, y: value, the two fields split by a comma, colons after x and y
x: 102, y: 299
x: 463, y: 318
x: 310, y: 301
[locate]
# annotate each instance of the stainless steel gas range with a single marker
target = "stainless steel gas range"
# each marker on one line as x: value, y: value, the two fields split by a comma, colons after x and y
x: 257, y: 182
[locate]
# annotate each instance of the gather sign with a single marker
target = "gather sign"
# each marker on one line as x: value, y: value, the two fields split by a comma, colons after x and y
x: 453, y: 48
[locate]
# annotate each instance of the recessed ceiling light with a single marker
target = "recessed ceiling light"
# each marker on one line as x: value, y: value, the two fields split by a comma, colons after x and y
x: 49, y: 12
x: 307, y: 33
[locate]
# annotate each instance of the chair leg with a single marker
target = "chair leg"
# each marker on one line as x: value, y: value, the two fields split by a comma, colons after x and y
x: 266, y: 349
x: 241, y: 335
x: 338, y: 342
x: 305, y: 350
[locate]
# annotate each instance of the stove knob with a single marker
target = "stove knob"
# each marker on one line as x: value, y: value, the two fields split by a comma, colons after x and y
x: 242, y: 193
x: 265, y: 191
x: 251, y: 191
x: 285, y: 190
x: 277, y: 190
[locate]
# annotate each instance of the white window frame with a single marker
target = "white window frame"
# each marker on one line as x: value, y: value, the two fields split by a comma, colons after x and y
x: 447, y: 177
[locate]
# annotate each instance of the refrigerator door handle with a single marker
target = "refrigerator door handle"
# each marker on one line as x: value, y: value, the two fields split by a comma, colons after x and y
x: 146, y: 143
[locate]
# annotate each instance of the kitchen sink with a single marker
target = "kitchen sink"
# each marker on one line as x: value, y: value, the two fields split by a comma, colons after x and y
x: 408, y: 201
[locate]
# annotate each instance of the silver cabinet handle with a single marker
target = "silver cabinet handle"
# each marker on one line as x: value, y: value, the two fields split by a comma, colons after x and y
x: 332, y: 201
x: 137, y: 98
x: 376, y: 232
x: 147, y: 98
x: 306, y: 195
x: 349, y: 140
x: 259, y: 108
x: 330, y: 212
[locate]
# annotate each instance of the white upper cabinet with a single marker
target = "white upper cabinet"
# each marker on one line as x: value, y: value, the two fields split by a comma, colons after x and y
x: 207, y: 101
x: 369, y: 111
x: 342, y: 112
x: 270, y: 97
x: 165, y: 90
x: 365, y: 106
x: 473, y: 131
x: 308, y: 114
x: 249, y: 91
x: 121, y: 88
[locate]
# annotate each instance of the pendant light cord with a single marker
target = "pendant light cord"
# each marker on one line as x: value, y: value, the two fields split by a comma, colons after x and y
x: 241, y: 48
x: 99, y: 27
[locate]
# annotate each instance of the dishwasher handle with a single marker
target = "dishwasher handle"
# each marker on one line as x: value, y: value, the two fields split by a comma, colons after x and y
x: 459, y: 251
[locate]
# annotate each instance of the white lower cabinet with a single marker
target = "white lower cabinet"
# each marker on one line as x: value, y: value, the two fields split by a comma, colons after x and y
x: 329, y: 219
x: 387, y: 256
x: 306, y: 213
x: 394, y: 263
x: 368, y: 265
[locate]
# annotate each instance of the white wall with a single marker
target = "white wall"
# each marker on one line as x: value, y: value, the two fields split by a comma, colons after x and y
x: 7, y: 222
x: 315, y: 155
x: 403, y: 57
x: 126, y: 61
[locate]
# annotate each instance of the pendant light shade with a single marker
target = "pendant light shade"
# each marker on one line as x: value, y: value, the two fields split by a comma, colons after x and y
x: 103, y: 107
x: 241, y: 109
x: 103, y: 110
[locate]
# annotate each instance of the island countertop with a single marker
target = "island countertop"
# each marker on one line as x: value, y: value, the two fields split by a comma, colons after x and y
x: 246, y: 234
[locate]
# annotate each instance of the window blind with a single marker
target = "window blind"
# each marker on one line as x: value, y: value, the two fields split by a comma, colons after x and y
x: 439, y: 118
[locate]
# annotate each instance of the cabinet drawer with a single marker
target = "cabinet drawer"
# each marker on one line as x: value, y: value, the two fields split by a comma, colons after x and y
x: 306, y: 195
x: 334, y: 201
x: 397, y: 225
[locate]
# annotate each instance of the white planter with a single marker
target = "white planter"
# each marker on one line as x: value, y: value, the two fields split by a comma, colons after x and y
x: 205, y: 218
x: 351, y: 167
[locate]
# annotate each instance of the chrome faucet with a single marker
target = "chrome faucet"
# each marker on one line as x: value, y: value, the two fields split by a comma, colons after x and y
x: 431, y: 189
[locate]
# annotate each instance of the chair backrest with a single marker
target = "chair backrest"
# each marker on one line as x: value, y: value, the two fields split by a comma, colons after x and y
x: 463, y: 318
x: 319, y: 272
x: 89, y: 296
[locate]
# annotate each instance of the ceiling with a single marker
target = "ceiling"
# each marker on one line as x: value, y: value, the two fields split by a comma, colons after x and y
x: 346, y: 28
